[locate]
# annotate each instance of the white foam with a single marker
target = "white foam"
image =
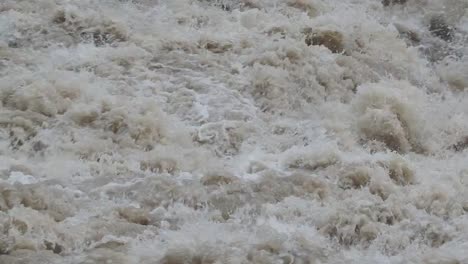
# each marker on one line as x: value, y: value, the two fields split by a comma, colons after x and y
x: 233, y: 131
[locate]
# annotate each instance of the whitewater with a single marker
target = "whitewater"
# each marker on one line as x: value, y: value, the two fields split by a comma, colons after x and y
x: 233, y: 132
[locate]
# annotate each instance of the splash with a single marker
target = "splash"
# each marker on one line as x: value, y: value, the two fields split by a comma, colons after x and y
x: 233, y: 131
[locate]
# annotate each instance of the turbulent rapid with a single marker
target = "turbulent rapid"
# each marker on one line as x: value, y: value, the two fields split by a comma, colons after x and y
x: 233, y: 132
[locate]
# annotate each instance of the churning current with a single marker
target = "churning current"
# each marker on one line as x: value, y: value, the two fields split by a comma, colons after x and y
x: 233, y: 132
